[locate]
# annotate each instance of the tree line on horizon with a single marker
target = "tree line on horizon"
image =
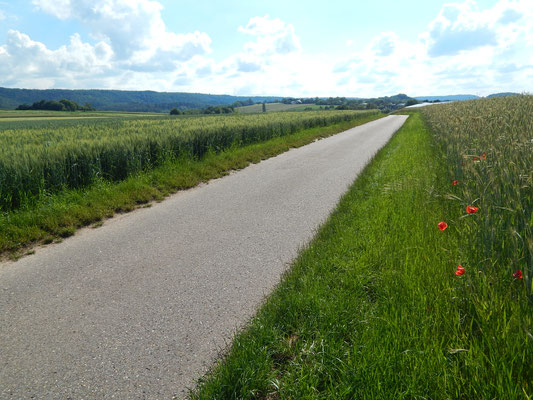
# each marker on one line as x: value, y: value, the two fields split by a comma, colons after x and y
x: 127, y: 101
x: 52, y: 105
x: 385, y: 104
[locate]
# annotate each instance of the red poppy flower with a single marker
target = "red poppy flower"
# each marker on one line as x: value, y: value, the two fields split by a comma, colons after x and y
x: 471, y: 209
x: 476, y: 158
x: 484, y: 156
x: 442, y: 225
x: 460, y: 270
x: 518, y: 274
x: 455, y: 182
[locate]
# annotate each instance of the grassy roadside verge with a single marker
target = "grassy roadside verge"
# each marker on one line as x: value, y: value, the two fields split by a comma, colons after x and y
x: 373, y: 308
x: 60, y: 215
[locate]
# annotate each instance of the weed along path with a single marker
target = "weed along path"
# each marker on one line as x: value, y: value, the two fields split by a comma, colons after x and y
x: 141, y: 307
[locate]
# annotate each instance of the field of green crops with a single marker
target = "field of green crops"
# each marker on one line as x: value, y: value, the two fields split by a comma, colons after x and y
x: 271, y: 107
x: 38, y: 158
x: 489, y: 152
x: 44, y: 114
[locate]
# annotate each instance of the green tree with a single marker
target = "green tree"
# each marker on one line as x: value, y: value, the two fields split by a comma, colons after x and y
x: 69, y: 105
x: 52, y: 105
x: 264, y: 107
x: 88, y: 107
x: 175, y: 111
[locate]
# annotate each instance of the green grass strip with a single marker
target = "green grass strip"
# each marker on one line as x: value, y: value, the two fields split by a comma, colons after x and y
x: 60, y: 215
x: 372, y: 309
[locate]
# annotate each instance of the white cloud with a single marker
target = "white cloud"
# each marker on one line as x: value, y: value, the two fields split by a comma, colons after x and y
x: 385, y: 44
x: 459, y: 27
x: 131, y: 48
x: 270, y: 63
x: 267, y: 64
x: 248, y: 64
x: 2, y: 15
x: 59, y: 8
x: 134, y: 29
x: 263, y: 26
x: 273, y: 36
x: 464, y: 49
x: 24, y: 60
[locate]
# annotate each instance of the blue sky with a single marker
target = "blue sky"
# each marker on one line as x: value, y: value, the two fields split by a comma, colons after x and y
x: 288, y: 48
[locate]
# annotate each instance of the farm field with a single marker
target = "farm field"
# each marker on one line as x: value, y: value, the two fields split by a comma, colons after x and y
x: 42, y: 114
x: 36, y: 161
x: 272, y: 107
x: 41, y: 119
x: 425, y: 269
x: 49, y: 169
x: 308, y: 107
x: 489, y: 148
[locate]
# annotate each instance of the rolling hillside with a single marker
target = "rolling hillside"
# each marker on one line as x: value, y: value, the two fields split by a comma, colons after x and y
x: 119, y: 100
x: 455, y: 97
x: 272, y: 107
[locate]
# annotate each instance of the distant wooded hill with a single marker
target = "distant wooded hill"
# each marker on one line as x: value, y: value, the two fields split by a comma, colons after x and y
x: 504, y: 94
x: 455, y: 97
x: 119, y: 100
x: 461, y: 97
x: 150, y: 101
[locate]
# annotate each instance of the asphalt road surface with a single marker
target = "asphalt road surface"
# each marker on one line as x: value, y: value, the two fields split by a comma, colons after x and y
x: 141, y: 307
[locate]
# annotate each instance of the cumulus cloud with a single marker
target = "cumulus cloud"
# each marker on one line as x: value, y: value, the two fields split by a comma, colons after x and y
x: 343, y: 66
x: 459, y: 27
x: 385, y: 44
x: 33, y: 56
x: 204, y: 70
x: 23, y: 59
x: 130, y: 46
x: 270, y: 62
x: 494, y: 40
x: 248, y: 65
x: 273, y: 43
x: 463, y: 49
x: 134, y: 29
x: 509, y: 16
x: 273, y: 36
